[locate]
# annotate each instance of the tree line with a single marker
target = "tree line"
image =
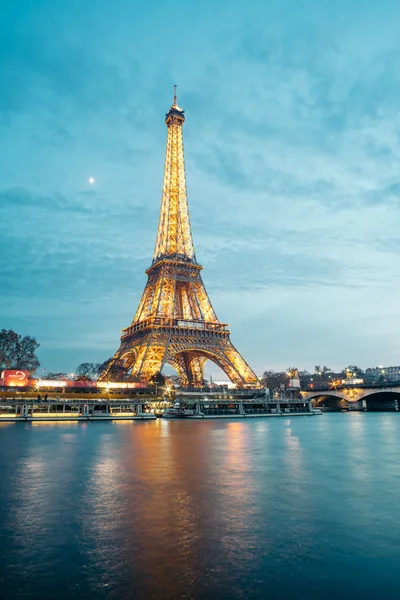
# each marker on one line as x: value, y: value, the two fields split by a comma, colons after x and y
x: 322, y: 373
x: 19, y: 352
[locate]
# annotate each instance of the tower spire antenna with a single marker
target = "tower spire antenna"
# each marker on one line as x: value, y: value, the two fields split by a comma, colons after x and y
x: 175, y: 103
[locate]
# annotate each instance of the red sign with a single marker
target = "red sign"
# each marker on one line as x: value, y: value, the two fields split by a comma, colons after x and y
x: 15, y: 378
x: 81, y: 384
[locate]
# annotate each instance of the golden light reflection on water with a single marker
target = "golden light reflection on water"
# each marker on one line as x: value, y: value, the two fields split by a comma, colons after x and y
x: 103, y: 504
x: 178, y: 481
x: 175, y: 509
x: 169, y: 465
x: 237, y: 490
x: 293, y: 454
x: 356, y: 451
x: 56, y: 424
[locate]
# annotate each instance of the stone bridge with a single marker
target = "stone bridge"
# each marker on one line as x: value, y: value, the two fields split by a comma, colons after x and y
x: 356, y: 398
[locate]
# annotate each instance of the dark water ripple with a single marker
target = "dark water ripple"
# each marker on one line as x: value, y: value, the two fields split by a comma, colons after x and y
x: 265, y: 508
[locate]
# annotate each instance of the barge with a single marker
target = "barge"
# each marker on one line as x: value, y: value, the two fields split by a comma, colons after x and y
x: 206, y: 408
x: 22, y: 407
x: 75, y: 410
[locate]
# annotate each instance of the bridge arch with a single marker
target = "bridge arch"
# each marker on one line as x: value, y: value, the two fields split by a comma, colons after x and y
x: 330, y: 399
x: 381, y: 400
x: 378, y: 399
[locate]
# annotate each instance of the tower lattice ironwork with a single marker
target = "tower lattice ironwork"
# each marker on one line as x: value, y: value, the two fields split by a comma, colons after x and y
x: 175, y: 322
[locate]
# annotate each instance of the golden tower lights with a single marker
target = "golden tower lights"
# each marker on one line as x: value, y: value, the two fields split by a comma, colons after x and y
x: 175, y: 322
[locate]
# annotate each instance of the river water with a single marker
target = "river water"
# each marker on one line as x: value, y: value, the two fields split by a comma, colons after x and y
x: 307, y: 507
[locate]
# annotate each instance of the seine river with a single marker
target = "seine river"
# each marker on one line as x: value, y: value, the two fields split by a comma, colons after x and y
x: 266, y: 508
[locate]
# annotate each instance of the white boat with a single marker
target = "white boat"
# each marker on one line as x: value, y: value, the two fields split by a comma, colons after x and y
x: 80, y: 410
x: 176, y: 411
x: 239, y: 408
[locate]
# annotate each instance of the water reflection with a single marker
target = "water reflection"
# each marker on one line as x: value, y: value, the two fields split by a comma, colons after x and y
x: 168, y: 484
x: 206, y: 509
x: 236, y: 488
x: 41, y: 479
x: 103, y: 516
x: 5, y: 424
x: 293, y: 454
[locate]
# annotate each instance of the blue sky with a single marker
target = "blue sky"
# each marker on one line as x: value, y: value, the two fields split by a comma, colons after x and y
x: 292, y: 158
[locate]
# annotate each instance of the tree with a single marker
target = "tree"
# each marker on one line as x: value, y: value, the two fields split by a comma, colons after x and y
x: 17, y: 352
x: 292, y: 372
x: 117, y: 371
x: 101, y: 367
x: 325, y: 370
x: 304, y: 373
x: 353, y: 371
x: 87, y: 370
x: 273, y: 379
x: 158, y: 378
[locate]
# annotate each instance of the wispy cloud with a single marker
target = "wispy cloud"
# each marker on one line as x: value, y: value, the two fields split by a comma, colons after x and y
x: 292, y: 145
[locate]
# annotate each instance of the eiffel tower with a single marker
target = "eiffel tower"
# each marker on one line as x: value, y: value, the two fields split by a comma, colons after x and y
x: 175, y: 322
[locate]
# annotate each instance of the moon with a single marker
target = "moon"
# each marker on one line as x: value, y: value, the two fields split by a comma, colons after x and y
x: 91, y: 180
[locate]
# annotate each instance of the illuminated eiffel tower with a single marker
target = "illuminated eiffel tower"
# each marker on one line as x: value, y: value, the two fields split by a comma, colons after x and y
x: 175, y: 322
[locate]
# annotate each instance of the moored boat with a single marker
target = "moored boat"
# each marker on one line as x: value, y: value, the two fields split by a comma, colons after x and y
x: 74, y: 411
x: 205, y: 408
x: 178, y: 411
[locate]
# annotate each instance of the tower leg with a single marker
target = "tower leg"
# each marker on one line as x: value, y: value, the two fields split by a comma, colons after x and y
x: 149, y: 361
x: 178, y: 363
x: 148, y: 356
x: 237, y: 368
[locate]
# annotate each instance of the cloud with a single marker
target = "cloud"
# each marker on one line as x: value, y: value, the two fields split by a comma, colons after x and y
x: 292, y: 147
x: 46, y: 66
x: 67, y: 248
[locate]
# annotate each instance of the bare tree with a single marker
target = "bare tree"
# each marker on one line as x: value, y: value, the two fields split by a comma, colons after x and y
x: 117, y: 371
x: 325, y: 370
x: 87, y: 370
